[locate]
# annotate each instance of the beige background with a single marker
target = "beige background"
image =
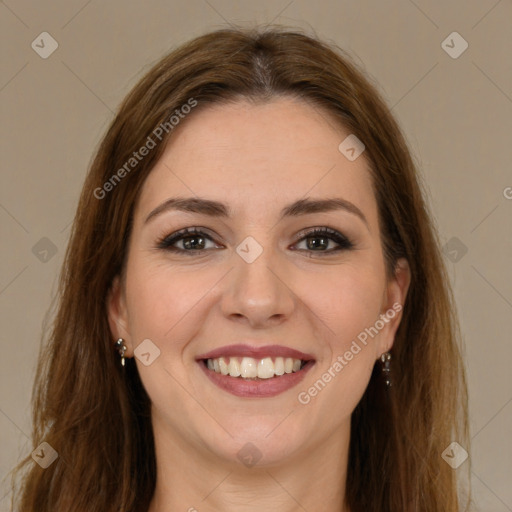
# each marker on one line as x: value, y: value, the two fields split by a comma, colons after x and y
x: 456, y: 113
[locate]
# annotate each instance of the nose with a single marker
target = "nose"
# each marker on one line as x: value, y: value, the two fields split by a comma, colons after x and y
x: 258, y: 293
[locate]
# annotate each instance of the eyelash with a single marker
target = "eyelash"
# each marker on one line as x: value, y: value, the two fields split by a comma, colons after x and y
x: 166, y: 243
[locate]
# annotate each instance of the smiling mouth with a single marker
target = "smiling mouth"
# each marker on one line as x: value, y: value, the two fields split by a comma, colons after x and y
x: 249, y: 368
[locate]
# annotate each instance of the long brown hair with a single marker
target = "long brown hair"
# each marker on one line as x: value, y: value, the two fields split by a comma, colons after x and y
x: 95, y: 414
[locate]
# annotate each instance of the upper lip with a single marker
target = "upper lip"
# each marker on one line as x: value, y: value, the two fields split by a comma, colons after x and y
x: 256, y: 352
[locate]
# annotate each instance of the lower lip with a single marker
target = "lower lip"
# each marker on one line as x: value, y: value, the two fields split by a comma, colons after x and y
x: 262, y: 388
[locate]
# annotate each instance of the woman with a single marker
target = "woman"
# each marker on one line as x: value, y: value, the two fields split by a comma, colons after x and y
x: 253, y: 311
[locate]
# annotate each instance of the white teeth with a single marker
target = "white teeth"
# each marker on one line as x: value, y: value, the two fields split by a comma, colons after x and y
x: 250, y: 368
x: 279, y: 366
x: 223, y: 366
x: 266, y: 368
x: 234, y: 367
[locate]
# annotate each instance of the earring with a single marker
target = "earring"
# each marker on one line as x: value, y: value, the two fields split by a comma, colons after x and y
x: 121, y: 348
x: 386, y: 368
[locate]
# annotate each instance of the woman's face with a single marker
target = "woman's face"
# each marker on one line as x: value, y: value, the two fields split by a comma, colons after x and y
x: 254, y: 291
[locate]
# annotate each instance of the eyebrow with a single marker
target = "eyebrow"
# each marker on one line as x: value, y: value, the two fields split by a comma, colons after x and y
x: 295, y: 209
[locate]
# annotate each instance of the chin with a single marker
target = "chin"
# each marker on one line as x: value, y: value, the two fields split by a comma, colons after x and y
x: 258, y: 444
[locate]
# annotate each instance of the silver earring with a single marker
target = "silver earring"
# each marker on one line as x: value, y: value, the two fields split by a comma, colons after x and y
x: 121, y: 348
x: 386, y: 368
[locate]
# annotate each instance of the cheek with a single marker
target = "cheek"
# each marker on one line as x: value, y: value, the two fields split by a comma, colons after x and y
x: 162, y: 300
x: 349, y: 305
x: 346, y: 300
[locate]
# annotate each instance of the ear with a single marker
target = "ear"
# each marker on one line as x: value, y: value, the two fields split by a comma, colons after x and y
x: 393, y: 303
x: 118, y: 313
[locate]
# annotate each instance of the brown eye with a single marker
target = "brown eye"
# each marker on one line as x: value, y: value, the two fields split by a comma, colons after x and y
x: 318, y: 240
x: 192, y: 239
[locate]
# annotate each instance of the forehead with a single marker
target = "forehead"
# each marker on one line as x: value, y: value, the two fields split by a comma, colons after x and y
x: 257, y: 157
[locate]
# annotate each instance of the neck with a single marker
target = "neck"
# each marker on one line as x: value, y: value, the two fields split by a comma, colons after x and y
x: 192, y: 481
